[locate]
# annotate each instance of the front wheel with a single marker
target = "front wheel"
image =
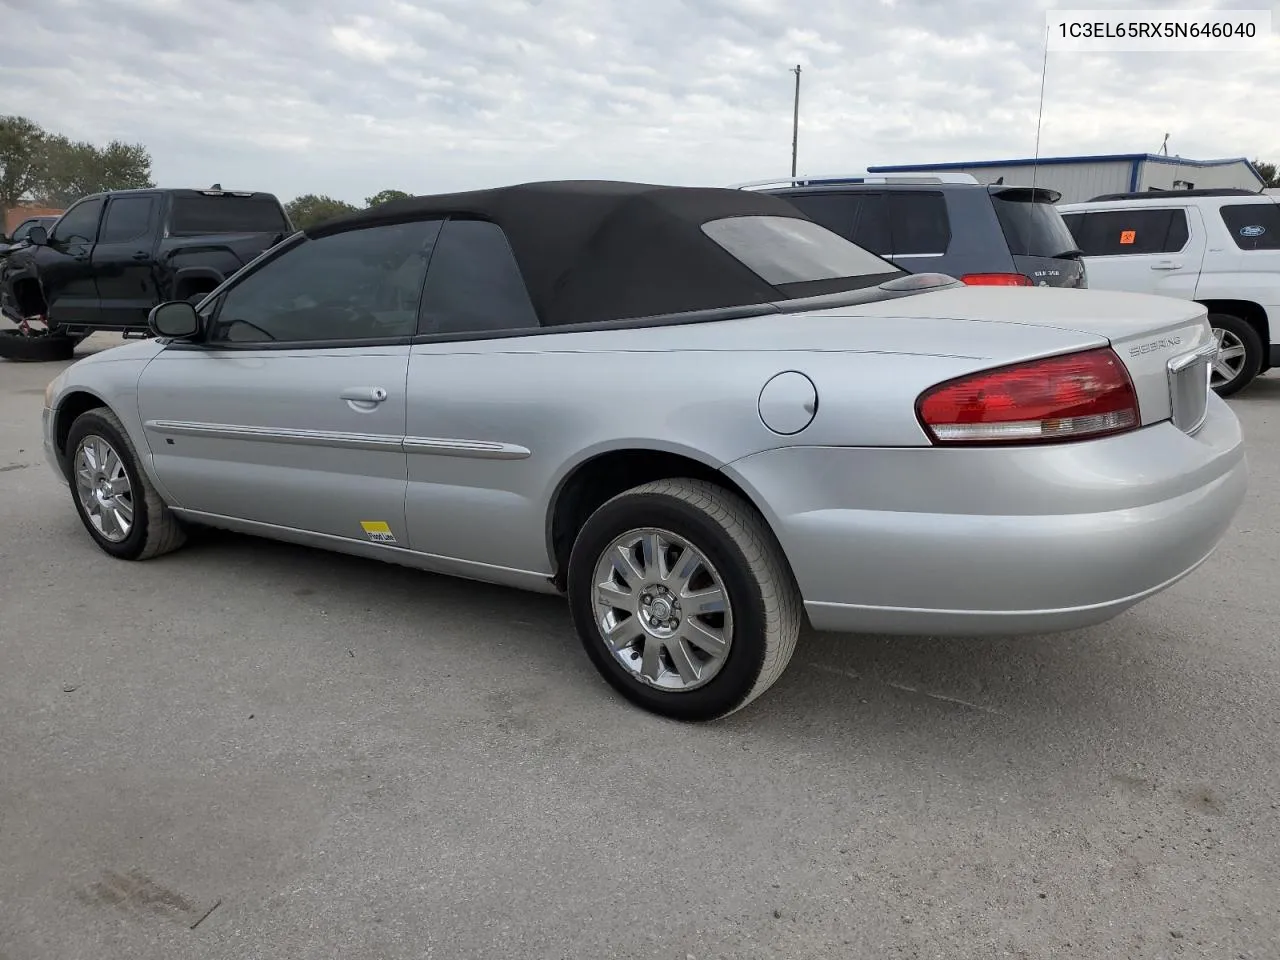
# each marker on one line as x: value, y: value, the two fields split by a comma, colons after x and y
x: 1239, y: 356
x: 115, y: 500
x: 682, y: 599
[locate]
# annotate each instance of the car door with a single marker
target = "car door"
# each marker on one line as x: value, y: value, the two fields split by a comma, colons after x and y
x: 471, y: 472
x: 290, y: 413
x: 1243, y: 260
x: 64, y: 265
x: 1147, y: 249
x: 123, y: 261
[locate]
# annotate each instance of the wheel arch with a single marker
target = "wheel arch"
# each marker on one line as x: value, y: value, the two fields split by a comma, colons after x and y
x: 1251, y: 313
x: 189, y: 280
x: 599, y: 475
x: 71, y: 406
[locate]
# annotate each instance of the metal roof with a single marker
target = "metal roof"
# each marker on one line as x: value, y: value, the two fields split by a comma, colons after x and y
x: 1133, y: 158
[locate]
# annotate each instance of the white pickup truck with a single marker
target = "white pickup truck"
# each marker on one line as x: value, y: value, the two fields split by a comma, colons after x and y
x: 1220, y: 248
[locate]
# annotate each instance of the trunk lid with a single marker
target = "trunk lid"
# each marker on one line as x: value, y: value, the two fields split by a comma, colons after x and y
x: 1165, y: 344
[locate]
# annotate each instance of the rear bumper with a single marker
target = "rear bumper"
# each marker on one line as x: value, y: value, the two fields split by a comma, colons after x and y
x: 998, y: 541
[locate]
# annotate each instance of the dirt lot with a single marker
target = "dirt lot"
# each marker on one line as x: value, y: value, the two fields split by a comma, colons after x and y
x: 344, y: 759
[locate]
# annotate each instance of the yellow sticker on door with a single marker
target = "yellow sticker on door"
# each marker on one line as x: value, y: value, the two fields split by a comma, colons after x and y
x: 379, y: 531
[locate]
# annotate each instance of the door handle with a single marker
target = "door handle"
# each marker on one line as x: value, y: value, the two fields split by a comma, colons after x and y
x: 1166, y: 265
x: 364, y: 394
x: 141, y: 255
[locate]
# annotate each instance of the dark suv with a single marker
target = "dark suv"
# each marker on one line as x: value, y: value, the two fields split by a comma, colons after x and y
x: 981, y: 234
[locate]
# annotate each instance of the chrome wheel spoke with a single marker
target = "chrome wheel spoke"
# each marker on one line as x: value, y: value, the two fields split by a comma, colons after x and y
x: 688, y: 565
x: 682, y: 658
x: 701, y: 603
x: 1230, y: 353
x: 623, y: 634
x: 654, y: 552
x: 651, y: 660
x: 625, y: 565
x: 707, y: 639
x: 107, y: 519
x: 124, y: 512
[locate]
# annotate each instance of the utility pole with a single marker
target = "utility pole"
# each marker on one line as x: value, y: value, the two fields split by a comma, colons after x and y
x: 795, y: 123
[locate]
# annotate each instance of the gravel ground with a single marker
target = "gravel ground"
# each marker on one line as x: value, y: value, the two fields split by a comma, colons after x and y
x: 250, y: 750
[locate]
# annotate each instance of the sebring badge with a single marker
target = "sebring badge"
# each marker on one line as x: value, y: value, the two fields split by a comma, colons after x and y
x: 1166, y: 344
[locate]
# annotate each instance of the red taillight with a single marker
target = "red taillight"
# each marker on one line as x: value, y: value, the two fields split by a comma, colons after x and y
x: 1072, y: 397
x: 996, y: 280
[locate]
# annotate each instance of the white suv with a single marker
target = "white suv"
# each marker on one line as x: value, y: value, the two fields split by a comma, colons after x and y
x: 1220, y: 248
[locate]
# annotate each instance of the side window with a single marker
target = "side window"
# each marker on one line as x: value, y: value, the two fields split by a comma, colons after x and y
x: 1253, y: 226
x: 127, y: 219
x: 835, y: 211
x: 23, y: 229
x: 1075, y: 223
x: 79, y: 224
x: 363, y: 284
x: 475, y: 285
x: 920, y: 223
x: 871, y: 225
x: 1117, y: 233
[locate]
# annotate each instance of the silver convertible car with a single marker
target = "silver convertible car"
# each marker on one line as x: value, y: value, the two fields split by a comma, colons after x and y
x: 697, y: 413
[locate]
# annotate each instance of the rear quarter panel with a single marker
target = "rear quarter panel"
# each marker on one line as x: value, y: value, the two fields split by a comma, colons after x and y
x: 688, y: 390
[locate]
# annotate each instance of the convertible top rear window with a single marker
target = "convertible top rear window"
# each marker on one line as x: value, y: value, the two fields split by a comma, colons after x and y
x: 785, y: 250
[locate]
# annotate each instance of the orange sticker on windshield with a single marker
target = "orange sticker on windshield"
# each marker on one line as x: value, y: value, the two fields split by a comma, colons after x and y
x: 1128, y: 236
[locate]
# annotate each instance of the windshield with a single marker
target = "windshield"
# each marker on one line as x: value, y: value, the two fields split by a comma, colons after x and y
x: 787, y: 250
x: 200, y: 215
x: 1032, y: 227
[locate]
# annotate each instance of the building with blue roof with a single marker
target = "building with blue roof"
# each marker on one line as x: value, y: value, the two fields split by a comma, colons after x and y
x: 1082, y: 178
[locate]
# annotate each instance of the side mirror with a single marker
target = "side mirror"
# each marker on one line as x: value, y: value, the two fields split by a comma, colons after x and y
x: 175, y: 319
x: 38, y: 236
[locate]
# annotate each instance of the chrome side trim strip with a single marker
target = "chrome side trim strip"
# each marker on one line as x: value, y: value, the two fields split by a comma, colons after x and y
x: 478, y: 449
x: 428, y: 446
x: 312, y: 438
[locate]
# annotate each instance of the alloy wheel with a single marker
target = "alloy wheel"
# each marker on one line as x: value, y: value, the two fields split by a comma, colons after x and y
x: 102, y: 484
x: 662, y: 609
x: 1230, y: 359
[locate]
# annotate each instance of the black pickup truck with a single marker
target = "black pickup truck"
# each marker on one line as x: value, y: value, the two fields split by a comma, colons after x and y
x: 113, y: 256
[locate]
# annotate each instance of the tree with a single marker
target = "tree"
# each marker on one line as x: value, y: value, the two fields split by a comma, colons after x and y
x: 385, y: 196
x: 21, y: 159
x: 310, y: 209
x: 1268, y: 171
x: 76, y: 169
x: 57, y: 171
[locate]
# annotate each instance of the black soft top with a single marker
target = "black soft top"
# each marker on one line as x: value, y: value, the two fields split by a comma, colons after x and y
x: 592, y: 250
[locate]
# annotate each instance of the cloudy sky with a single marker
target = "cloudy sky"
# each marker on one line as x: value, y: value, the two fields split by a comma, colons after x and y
x: 347, y: 97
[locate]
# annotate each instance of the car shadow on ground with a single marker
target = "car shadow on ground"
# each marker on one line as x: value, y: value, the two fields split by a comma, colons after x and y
x: 1265, y: 389
x: 838, y: 691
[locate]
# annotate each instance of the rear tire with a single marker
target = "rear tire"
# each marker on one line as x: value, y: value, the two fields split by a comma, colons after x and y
x: 40, y: 348
x: 116, y: 501
x: 1240, y: 353
x: 701, y: 632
